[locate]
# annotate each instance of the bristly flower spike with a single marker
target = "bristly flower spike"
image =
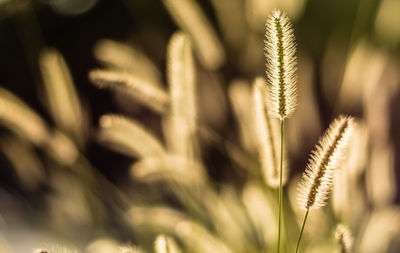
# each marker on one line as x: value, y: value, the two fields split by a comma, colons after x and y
x: 317, y: 180
x: 280, y: 50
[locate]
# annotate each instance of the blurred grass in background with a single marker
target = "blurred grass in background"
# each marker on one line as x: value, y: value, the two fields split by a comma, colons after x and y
x: 60, y: 183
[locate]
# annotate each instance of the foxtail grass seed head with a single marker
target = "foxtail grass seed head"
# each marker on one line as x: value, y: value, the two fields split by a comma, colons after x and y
x: 280, y: 49
x: 316, y: 183
x: 181, y: 121
x: 61, y: 96
x: 151, y: 96
x: 21, y: 119
x: 128, y: 136
x: 267, y: 130
x: 55, y: 249
x: 344, y: 238
x: 122, y: 57
x: 182, y: 78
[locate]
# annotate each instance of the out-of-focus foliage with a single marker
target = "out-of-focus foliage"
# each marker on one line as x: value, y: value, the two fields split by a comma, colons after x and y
x: 188, y: 121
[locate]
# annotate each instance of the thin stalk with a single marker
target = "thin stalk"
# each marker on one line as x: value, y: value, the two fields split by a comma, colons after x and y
x: 302, y: 229
x: 280, y: 190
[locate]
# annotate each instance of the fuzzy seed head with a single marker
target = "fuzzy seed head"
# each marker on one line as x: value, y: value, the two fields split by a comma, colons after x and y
x: 317, y: 180
x: 128, y: 136
x: 344, y: 238
x: 280, y: 49
x: 146, y: 93
x: 181, y: 121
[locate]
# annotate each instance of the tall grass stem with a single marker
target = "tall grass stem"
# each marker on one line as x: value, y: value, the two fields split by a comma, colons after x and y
x: 301, y: 231
x: 280, y: 189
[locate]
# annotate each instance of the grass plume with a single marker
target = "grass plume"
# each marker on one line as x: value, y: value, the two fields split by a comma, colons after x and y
x: 151, y: 96
x: 317, y: 180
x: 280, y: 49
x: 26, y: 123
x: 61, y: 95
x: 344, y: 238
x: 129, y: 137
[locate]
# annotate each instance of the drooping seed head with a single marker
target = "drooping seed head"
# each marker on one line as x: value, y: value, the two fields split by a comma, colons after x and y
x: 317, y: 180
x: 280, y: 49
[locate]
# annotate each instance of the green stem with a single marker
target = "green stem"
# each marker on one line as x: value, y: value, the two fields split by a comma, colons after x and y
x: 302, y: 229
x: 280, y: 190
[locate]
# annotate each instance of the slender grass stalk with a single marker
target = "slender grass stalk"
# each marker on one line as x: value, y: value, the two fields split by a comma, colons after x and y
x: 180, y: 123
x: 301, y: 231
x: 280, y: 188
